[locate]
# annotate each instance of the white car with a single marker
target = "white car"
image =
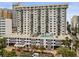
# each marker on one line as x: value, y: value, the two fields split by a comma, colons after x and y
x: 35, y: 55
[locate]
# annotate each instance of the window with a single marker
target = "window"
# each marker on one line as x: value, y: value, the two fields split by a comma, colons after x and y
x: 27, y: 45
x: 46, y: 46
x: 51, y: 46
x: 50, y: 26
x: 50, y: 11
x: 54, y: 14
x: 54, y: 33
x: 63, y: 8
x: 63, y: 31
x: 50, y: 18
x: 54, y: 28
x: 62, y: 26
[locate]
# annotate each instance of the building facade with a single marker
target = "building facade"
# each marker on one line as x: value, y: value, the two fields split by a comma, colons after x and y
x: 75, y: 22
x: 37, y: 26
x: 29, y: 42
x: 14, y: 14
x: 6, y: 13
x: 5, y: 26
x: 37, y: 20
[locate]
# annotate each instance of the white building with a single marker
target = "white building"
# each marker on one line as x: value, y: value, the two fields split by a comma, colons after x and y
x: 41, y: 20
x: 5, y: 26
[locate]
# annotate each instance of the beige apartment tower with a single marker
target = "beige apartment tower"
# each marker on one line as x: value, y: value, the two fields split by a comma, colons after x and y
x: 39, y: 20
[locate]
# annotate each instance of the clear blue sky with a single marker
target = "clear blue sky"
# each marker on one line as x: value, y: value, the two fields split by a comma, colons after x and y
x: 72, y: 10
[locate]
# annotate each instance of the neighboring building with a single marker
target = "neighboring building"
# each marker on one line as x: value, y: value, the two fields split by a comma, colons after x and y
x: 6, y: 13
x: 5, y: 26
x: 75, y: 22
x: 14, y: 21
x: 38, y: 20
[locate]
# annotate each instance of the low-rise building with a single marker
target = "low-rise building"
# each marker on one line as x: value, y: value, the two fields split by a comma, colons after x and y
x: 28, y: 42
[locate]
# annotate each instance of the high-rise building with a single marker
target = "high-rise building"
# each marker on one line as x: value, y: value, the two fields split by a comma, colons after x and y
x: 5, y: 26
x: 14, y: 21
x: 75, y: 22
x: 14, y: 13
x: 6, y: 13
x: 41, y: 19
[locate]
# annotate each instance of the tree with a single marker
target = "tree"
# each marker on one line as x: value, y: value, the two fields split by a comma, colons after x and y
x: 2, y: 45
x: 2, y: 42
x: 9, y: 54
x: 66, y: 52
x: 12, y: 54
x: 26, y: 54
x: 67, y: 42
x: 76, y: 45
x: 5, y: 53
x: 68, y: 27
x: 78, y: 29
x: 1, y: 52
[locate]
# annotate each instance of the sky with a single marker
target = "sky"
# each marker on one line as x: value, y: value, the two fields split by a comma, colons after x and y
x: 73, y: 7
